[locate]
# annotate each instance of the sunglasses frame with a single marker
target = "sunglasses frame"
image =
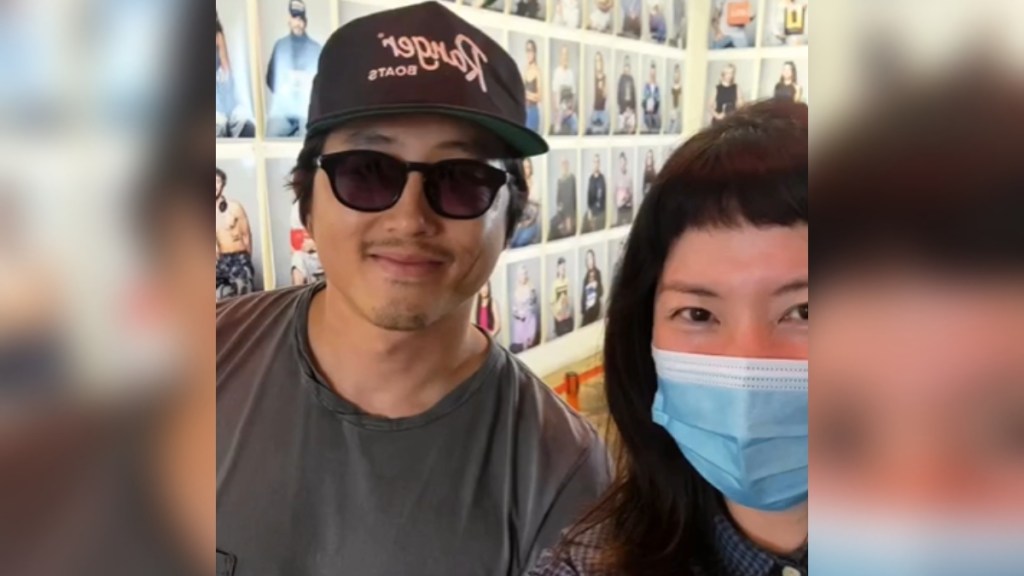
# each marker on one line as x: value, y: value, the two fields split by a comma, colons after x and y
x: 327, y: 162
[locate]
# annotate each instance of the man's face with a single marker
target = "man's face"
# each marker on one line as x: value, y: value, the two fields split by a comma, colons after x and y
x: 565, y: 167
x: 563, y: 57
x: 561, y: 269
x: 597, y: 164
x: 653, y: 75
x: 735, y: 292
x: 407, y: 267
x: 524, y: 276
x: 219, y: 187
x: 297, y: 25
x: 918, y: 394
x: 625, y: 68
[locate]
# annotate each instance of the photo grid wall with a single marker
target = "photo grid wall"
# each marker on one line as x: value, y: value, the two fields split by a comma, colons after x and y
x: 266, y: 57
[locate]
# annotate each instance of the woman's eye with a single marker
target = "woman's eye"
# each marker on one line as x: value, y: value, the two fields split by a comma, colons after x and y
x: 695, y: 315
x: 799, y: 313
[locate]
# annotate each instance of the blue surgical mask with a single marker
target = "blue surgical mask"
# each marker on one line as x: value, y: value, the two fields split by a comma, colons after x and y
x: 741, y: 423
x: 885, y: 544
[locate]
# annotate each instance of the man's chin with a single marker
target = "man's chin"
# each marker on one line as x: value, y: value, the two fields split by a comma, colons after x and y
x: 402, y: 319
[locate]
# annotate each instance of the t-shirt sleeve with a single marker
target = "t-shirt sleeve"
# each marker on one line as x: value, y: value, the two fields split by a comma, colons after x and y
x: 584, y: 485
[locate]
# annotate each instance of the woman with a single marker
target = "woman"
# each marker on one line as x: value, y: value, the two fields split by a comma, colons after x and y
x: 599, y: 120
x: 675, y: 121
x: 624, y: 193
x: 705, y: 365
x: 487, y: 316
x: 727, y: 98
x: 225, y: 86
x: 532, y: 82
x: 787, y: 88
x: 527, y: 230
x: 650, y: 172
x: 525, y: 314
x: 593, y: 291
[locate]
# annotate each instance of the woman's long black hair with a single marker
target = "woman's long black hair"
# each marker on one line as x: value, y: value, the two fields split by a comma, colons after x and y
x: 750, y: 168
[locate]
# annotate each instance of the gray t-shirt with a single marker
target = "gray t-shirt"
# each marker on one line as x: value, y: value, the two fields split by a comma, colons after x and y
x: 309, y: 485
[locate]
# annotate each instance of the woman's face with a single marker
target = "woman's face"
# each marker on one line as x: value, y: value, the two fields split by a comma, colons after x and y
x: 787, y: 72
x: 485, y: 291
x: 591, y: 260
x: 528, y: 169
x: 650, y: 159
x: 599, y: 63
x: 524, y: 276
x: 728, y: 75
x: 735, y: 292
x: 531, y: 53
x: 677, y: 75
x: 918, y: 401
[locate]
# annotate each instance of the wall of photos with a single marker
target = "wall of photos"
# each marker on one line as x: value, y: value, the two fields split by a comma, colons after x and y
x: 617, y: 85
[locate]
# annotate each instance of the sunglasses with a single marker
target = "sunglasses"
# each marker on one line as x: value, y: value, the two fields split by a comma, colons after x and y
x: 371, y: 181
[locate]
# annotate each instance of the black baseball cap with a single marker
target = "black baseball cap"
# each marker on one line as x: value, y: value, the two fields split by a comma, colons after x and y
x: 421, y: 59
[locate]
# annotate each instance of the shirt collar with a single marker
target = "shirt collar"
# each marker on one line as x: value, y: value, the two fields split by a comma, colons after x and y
x: 740, y: 557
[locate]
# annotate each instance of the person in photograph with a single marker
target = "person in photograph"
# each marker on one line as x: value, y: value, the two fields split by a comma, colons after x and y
x: 489, y: 4
x: 602, y: 16
x: 528, y: 9
x: 487, y: 315
x: 709, y: 345
x: 632, y: 18
x: 623, y: 193
x: 600, y: 121
x: 290, y: 75
x: 236, y: 275
x: 729, y: 22
x: 563, y: 223
x: 679, y: 12
x: 791, y: 18
x: 525, y: 313
x: 675, y: 117
x: 727, y: 97
x: 567, y: 13
x: 597, y: 193
x: 305, y: 265
x: 561, y: 303
x: 657, y: 22
x: 593, y: 291
x: 620, y: 253
x: 232, y: 119
x: 650, y: 172
x: 626, y: 100
x: 527, y: 231
x: 563, y: 90
x: 532, y: 83
x: 652, y: 101
x: 413, y: 193
x: 788, y: 88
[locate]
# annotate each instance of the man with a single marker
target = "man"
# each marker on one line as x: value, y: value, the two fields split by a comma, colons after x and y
x: 305, y: 265
x: 290, y: 76
x: 601, y: 16
x: 729, y: 22
x: 626, y: 100
x: 364, y: 424
x: 631, y: 18
x: 597, y: 191
x: 563, y: 223
x: 652, y: 102
x: 561, y: 304
x: 624, y: 193
x: 657, y: 22
x: 235, y: 273
x: 563, y: 86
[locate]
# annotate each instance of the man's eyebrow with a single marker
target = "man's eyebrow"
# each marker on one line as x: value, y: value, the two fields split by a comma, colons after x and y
x: 368, y: 138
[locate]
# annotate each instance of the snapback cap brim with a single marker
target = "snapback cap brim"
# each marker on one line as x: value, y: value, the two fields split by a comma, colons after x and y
x: 523, y: 141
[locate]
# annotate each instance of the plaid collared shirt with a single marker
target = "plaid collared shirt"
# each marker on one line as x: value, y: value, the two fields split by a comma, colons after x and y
x: 737, y: 556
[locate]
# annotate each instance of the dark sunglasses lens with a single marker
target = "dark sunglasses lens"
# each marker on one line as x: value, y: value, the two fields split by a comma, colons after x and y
x: 465, y: 188
x: 368, y: 181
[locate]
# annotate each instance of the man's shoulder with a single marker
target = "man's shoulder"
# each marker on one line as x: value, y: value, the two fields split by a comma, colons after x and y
x: 560, y: 428
x: 249, y: 314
